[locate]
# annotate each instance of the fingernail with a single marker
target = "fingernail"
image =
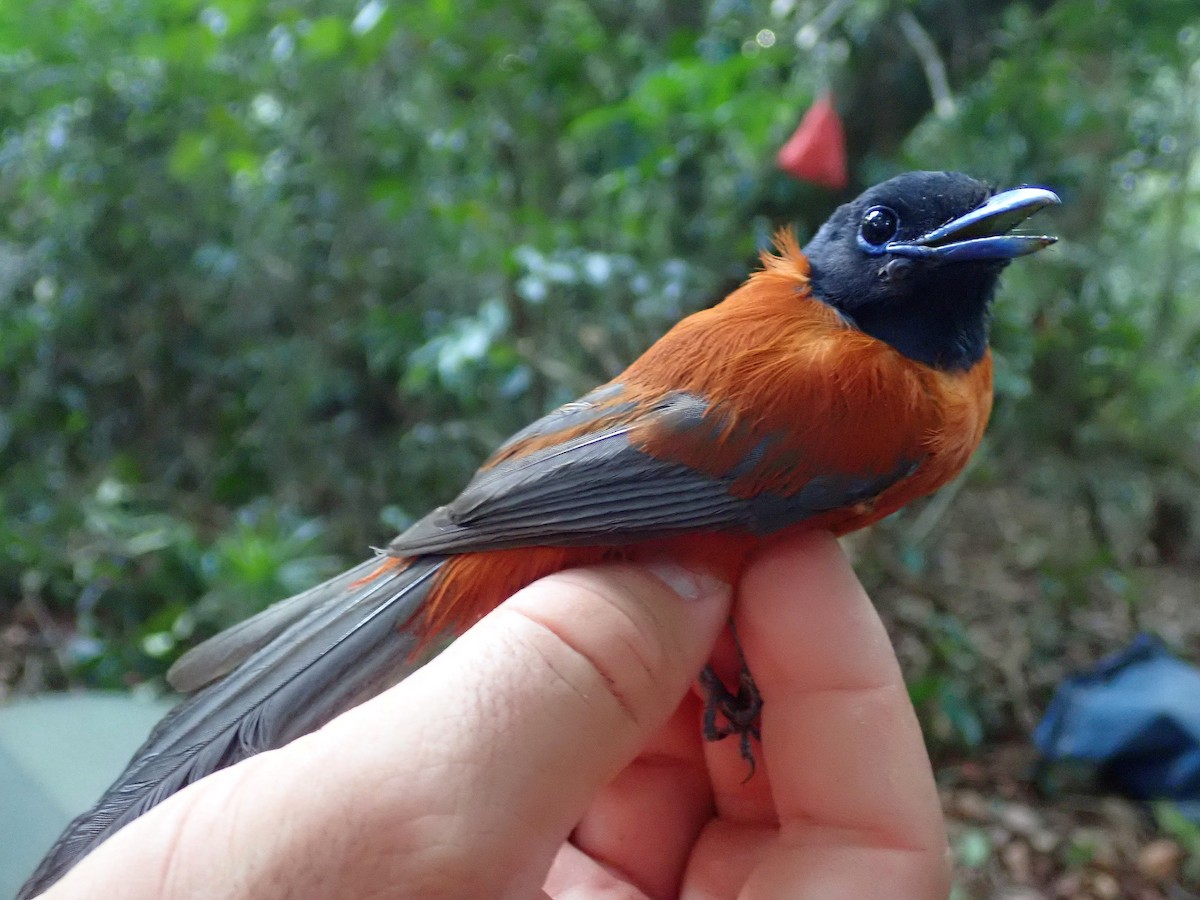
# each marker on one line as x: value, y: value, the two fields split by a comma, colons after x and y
x: 688, y: 584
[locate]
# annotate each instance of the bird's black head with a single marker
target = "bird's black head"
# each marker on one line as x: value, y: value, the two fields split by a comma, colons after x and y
x: 914, y: 261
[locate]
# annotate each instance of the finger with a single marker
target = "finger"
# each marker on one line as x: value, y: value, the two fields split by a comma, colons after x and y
x: 723, y: 858
x: 463, y: 780
x: 851, y: 780
x: 644, y: 823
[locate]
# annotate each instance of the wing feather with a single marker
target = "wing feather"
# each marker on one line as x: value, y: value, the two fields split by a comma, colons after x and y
x: 599, y: 487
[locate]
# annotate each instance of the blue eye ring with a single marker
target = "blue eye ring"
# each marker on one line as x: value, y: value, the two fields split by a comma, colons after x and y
x: 880, y: 224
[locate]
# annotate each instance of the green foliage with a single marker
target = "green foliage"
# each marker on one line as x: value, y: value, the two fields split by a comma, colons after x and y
x: 330, y: 255
x: 1100, y: 343
x: 954, y: 714
x: 1098, y: 379
x: 275, y: 276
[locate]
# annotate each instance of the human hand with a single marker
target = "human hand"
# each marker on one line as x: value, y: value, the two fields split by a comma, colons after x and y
x: 556, y: 747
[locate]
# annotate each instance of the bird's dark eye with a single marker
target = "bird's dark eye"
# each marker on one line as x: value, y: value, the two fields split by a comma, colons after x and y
x: 879, y: 225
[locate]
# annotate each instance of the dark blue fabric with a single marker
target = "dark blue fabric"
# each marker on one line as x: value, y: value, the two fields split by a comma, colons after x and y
x: 1136, y: 714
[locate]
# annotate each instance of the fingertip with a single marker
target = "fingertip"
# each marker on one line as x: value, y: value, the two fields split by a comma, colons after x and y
x: 644, y: 630
x: 689, y: 584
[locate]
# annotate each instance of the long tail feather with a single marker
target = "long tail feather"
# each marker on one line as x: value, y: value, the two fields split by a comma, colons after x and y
x: 346, y: 642
x: 221, y: 654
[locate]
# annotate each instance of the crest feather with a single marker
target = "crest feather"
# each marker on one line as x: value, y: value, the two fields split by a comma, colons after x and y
x: 788, y: 260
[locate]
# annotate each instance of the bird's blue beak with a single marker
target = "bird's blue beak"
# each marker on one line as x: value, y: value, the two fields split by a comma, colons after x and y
x: 983, y: 233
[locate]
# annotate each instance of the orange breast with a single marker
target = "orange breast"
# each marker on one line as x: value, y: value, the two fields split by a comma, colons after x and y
x: 790, y: 385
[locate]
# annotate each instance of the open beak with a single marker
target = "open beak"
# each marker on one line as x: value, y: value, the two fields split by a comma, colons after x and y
x: 984, y: 232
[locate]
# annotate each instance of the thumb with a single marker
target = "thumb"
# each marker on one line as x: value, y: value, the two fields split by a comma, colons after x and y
x: 594, y: 663
x: 546, y: 699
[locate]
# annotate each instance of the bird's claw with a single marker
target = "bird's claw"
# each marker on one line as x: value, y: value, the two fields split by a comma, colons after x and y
x: 740, y: 711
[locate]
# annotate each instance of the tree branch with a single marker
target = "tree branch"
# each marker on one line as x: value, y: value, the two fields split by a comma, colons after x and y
x: 931, y: 62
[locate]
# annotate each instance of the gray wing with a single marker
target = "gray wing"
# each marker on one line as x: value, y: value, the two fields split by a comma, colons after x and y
x: 598, y: 488
x: 212, y: 659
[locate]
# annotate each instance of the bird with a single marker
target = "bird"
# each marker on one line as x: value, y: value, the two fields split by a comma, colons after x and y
x: 837, y: 384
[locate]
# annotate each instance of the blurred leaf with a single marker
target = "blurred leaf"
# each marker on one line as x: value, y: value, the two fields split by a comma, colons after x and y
x: 283, y: 274
x: 325, y: 37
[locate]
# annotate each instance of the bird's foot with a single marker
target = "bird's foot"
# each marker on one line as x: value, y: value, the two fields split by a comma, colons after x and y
x: 740, y: 710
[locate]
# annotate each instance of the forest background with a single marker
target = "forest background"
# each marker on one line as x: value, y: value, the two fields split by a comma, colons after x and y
x: 276, y: 276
